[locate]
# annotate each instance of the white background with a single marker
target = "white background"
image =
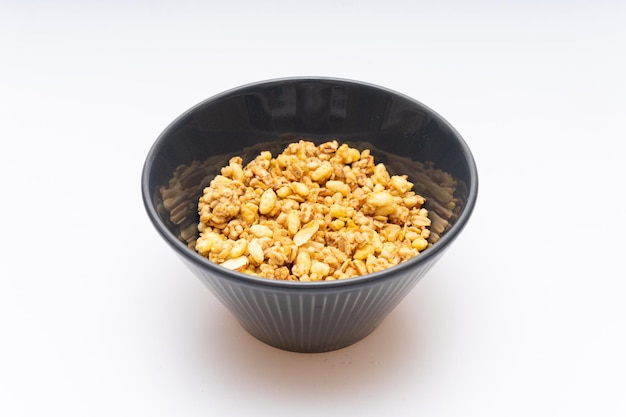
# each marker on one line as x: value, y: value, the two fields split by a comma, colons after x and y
x: 524, y: 316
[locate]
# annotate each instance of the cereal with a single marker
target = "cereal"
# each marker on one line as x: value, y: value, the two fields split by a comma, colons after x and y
x: 306, y: 233
x: 312, y: 213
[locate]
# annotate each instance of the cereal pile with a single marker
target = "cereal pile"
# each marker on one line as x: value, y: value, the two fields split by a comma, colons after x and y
x: 312, y: 213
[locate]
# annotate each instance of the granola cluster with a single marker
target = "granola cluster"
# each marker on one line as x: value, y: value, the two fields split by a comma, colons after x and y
x: 311, y: 213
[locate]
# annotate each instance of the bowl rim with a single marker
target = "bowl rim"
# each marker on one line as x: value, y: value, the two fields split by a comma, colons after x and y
x: 427, y: 255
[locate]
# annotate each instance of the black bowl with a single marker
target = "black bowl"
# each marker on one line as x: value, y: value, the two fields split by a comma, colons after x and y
x: 401, y: 132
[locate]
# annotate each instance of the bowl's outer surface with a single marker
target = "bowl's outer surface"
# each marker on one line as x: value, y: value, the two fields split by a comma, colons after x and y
x: 312, y: 319
x: 321, y: 316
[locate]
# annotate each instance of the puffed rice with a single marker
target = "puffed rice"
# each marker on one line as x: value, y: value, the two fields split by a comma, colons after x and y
x: 312, y: 213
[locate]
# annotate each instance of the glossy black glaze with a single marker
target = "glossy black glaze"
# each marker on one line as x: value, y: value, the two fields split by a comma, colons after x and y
x: 320, y: 316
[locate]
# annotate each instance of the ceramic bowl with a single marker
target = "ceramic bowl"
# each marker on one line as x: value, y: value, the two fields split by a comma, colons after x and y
x: 401, y: 132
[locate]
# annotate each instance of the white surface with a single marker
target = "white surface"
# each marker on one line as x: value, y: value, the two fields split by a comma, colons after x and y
x: 523, y: 316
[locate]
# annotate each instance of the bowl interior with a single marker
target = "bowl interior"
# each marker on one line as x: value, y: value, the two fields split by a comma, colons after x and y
x: 404, y: 134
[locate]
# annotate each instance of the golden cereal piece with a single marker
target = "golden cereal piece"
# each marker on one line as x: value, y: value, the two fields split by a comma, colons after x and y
x: 284, y: 191
x: 322, y: 172
x: 305, y: 234
x: 341, y: 211
x: 319, y: 270
x: 256, y: 251
x: 260, y: 230
x: 293, y: 223
x: 400, y: 183
x: 249, y: 212
x: 420, y: 220
x: 302, y: 265
x: 239, y: 248
x: 337, y: 224
x: 236, y: 264
x: 338, y: 187
x: 268, y: 201
x: 300, y: 188
x: 420, y: 244
x: 363, y: 252
x: 381, y: 203
x: 209, y: 240
x: 359, y: 267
